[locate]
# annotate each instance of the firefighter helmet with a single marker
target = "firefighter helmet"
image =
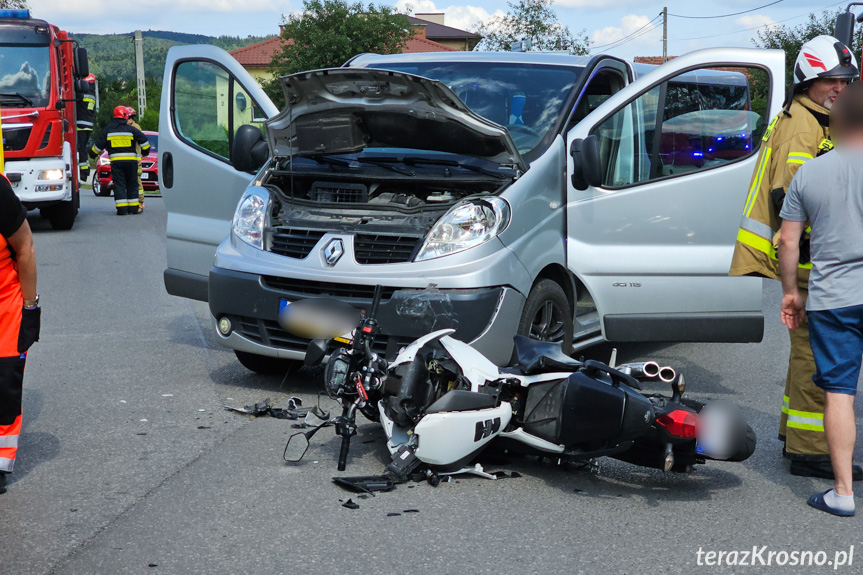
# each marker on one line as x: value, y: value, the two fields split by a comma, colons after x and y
x: 131, y: 111
x: 121, y: 112
x: 90, y: 78
x: 824, y: 57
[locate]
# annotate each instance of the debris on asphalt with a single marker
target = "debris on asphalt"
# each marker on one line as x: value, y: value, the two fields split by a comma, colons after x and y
x: 123, y: 401
x: 152, y: 565
x: 294, y: 411
x: 350, y: 504
x: 141, y: 433
x: 366, y: 484
x: 204, y: 427
x: 411, y: 511
x: 143, y: 420
x: 167, y: 395
x: 393, y: 514
x: 202, y: 410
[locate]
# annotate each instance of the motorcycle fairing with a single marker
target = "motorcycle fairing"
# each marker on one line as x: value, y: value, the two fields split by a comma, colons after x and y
x: 451, y: 439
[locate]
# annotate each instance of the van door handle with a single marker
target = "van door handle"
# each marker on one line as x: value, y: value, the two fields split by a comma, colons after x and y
x: 167, y: 169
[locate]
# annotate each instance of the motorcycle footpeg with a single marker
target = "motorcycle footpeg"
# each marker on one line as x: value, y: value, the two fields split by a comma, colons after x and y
x: 404, y: 462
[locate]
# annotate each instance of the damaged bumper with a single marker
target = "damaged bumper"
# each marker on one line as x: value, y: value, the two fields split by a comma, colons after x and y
x: 484, y: 317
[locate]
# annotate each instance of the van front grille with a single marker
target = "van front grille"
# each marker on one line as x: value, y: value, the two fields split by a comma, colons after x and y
x: 361, y: 294
x: 294, y: 243
x: 384, y: 249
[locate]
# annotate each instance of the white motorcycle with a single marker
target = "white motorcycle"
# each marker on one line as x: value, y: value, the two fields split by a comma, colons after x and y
x: 441, y: 403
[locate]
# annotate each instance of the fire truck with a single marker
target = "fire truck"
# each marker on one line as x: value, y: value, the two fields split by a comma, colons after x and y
x: 40, y: 71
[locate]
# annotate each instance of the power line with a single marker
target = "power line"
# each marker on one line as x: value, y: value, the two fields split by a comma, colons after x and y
x: 757, y: 27
x: 726, y: 15
x: 628, y: 38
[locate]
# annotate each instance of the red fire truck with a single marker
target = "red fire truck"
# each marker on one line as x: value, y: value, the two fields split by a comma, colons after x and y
x: 40, y: 68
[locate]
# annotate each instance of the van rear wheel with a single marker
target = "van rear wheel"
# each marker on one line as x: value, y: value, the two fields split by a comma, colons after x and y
x: 265, y: 364
x: 547, y: 315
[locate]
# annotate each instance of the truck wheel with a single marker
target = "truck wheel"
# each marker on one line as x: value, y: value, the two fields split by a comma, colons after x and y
x: 547, y: 315
x: 264, y: 364
x: 62, y: 215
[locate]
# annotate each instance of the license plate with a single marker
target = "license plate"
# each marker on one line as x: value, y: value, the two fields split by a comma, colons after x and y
x: 145, y: 176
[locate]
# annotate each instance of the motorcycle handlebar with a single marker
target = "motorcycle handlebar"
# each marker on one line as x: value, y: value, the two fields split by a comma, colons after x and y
x: 343, y: 452
x: 376, y: 301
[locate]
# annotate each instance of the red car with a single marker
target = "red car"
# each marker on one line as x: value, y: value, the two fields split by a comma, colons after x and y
x: 102, y: 184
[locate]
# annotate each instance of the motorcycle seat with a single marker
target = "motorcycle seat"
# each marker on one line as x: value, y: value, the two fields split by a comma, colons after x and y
x: 533, y: 356
x: 461, y: 400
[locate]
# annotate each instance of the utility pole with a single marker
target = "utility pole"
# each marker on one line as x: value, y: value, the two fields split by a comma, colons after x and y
x: 665, y: 34
x: 139, y: 70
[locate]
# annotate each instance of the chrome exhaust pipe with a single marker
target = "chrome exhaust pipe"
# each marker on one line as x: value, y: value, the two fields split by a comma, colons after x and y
x: 667, y: 374
x: 641, y: 370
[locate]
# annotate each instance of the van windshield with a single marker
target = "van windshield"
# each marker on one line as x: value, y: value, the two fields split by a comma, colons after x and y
x: 527, y: 99
x: 25, y: 76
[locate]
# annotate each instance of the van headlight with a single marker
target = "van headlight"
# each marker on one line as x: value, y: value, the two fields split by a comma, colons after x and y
x: 251, y: 216
x: 469, y: 223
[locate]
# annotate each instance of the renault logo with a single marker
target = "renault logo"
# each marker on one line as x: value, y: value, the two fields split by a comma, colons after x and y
x: 333, y: 251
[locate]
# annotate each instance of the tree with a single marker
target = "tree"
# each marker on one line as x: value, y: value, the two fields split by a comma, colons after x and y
x: 790, y: 38
x: 327, y: 33
x: 13, y: 5
x: 534, y: 20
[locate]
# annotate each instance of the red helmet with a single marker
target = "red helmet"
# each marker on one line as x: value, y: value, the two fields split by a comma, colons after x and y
x: 131, y: 111
x: 121, y: 112
x: 90, y: 78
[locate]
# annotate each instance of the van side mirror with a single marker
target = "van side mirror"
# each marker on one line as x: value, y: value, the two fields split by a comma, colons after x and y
x: 82, y: 64
x: 249, y: 150
x: 844, y: 28
x: 586, y: 163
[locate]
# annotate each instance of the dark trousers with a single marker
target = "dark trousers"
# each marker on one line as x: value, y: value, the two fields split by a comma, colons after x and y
x: 124, y: 174
x: 83, y: 158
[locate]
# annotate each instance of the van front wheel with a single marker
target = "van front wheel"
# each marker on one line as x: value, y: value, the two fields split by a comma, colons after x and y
x: 547, y: 315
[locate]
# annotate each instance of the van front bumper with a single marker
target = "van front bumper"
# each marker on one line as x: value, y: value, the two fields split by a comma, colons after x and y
x: 487, y: 318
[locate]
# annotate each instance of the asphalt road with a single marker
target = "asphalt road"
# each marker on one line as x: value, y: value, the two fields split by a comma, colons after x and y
x: 128, y: 462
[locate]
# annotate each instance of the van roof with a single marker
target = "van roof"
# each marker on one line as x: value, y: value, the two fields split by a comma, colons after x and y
x: 725, y: 77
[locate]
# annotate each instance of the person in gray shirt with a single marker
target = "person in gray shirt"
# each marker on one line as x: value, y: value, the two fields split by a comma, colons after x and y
x: 827, y: 192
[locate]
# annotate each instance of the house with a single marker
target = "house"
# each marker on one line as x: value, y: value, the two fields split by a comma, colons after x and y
x: 430, y: 35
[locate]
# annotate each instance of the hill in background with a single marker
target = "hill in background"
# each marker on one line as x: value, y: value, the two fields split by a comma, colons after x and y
x: 112, y: 56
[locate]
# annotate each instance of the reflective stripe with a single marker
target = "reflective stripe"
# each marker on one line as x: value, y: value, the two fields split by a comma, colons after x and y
x: 124, y: 156
x: 825, y: 145
x: 753, y: 192
x: 6, y: 464
x: 798, y: 158
x: 804, y: 426
x: 753, y: 241
x: 769, y: 129
x: 8, y: 441
x: 96, y: 150
x: 81, y: 123
x: 786, y: 404
x: 806, y: 420
x: 757, y: 228
x: 119, y: 135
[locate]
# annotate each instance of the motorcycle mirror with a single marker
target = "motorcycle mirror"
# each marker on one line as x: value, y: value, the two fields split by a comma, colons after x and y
x: 297, y: 446
x: 315, y: 352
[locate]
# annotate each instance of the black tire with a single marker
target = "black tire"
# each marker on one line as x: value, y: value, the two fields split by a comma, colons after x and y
x: 747, y: 446
x: 265, y: 364
x: 98, y: 189
x: 62, y: 215
x: 547, y: 315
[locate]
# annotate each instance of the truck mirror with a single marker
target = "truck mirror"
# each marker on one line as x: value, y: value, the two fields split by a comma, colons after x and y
x: 586, y: 163
x: 82, y: 64
x: 844, y: 28
x: 249, y: 150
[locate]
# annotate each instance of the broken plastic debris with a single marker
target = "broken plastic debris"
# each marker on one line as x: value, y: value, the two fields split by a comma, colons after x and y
x: 366, y: 484
x: 144, y: 420
x: 202, y: 410
x: 123, y: 401
x: 204, y: 427
x: 141, y: 433
x: 393, y: 514
x: 167, y: 395
x: 411, y: 511
x: 294, y: 411
x: 350, y: 504
x: 427, y: 309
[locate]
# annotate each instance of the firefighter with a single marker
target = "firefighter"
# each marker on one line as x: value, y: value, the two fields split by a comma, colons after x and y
x: 85, y: 111
x: 19, y: 319
x: 120, y: 139
x: 799, y: 133
x: 132, y: 122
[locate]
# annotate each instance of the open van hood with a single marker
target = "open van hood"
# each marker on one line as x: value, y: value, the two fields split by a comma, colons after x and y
x: 346, y: 110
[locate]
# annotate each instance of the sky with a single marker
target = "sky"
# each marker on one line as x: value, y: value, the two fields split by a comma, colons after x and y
x: 606, y: 23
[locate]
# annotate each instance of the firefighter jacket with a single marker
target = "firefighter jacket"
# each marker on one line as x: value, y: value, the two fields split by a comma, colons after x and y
x: 120, y: 139
x: 85, y: 108
x: 793, y: 137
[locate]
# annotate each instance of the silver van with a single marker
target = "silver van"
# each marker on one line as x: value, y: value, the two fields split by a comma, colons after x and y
x: 565, y: 198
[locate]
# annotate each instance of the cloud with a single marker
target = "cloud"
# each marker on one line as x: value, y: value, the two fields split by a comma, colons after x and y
x: 463, y: 17
x: 629, y: 24
x: 755, y: 21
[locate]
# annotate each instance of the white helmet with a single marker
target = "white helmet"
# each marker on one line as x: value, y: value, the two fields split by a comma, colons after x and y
x: 824, y: 57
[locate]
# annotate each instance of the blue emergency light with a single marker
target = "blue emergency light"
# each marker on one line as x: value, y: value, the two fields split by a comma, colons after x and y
x: 20, y: 14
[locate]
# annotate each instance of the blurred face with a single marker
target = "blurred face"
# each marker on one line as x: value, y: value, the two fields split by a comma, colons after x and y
x: 823, y: 91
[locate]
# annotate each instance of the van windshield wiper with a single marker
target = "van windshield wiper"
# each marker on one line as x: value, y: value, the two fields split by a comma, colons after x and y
x: 379, y: 162
x: 21, y: 97
x: 417, y: 161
